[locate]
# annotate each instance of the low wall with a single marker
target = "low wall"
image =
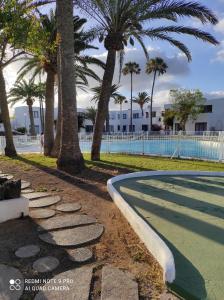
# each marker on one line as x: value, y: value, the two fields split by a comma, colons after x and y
x: 13, y: 209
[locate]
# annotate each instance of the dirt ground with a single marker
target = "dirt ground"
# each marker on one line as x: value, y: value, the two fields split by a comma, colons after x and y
x: 118, y: 246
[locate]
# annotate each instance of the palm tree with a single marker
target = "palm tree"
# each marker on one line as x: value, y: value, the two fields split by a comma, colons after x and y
x: 120, y: 22
x: 131, y: 68
x: 155, y: 66
x: 141, y: 100
x: 113, y: 95
x: 120, y: 100
x: 90, y: 114
x: 26, y: 92
x: 70, y: 157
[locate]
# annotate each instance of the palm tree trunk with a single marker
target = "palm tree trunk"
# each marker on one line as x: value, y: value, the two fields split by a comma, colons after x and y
x: 49, y: 113
x: 70, y: 157
x: 103, y: 104
x: 32, y: 125
x: 152, y: 93
x: 120, y: 117
x: 56, y: 148
x: 108, y: 120
x: 131, y: 129
x: 10, y: 148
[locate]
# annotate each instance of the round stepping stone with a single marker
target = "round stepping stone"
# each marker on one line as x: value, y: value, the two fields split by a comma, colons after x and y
x: 11, y: 283
x: 80, y: 255
x: 45, y: 264
x: 69, y: 207
x: 73, y: 237
x: 36, y: 195
x: 25, y: 184
x: 77, y: 281
x: 46, y: 201
x: 27, y: 251
x: 9, y: 177
x: 27, y: 191
x: 117, y: 284
x: 66, y: 221
x: 41, y: 213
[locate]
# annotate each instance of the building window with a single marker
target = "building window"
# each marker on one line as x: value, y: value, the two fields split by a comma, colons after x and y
x: 207, y: 109
x: 112, y: 117
x: 153, y: 114
x: 133, y: 128
x: 202, y: 126
x: 147, y: 115
x: 144, y: 127
x: 118, y: 116
x: 89, y: 128
x: 118, y: 128
x: 124, y: 128
x: 36, y: 114
x: 177, y: 127
x: 124, y: 116
x: 136, y: 116
x: 111, y: 128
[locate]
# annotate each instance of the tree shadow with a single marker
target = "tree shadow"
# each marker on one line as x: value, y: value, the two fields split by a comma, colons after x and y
x: 182, y: 200
x: 189, y: 282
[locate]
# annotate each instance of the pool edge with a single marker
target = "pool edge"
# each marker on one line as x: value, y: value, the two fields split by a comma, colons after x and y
x: 157, y: 247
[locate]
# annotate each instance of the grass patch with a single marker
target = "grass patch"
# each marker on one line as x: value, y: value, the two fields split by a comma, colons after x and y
x: 121, y: 161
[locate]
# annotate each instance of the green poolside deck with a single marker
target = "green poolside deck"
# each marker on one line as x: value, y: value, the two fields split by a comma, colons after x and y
x: 188, y: 213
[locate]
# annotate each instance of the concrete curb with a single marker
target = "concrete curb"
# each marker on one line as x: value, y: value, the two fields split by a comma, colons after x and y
x: 148, y: 236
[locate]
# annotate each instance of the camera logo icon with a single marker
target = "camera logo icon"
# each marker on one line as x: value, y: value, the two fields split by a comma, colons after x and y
x: 15, y: 284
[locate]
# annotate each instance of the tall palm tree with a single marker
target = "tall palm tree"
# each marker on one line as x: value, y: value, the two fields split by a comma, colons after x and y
x: 131, y: 68
x: 113, y: 95
x: 26, y: 92
x: 70, y: 157
x: 155, y: 66
x: 141, y: 100
x: 90, y: 114
x: 120, y: 22
x: 120, y: 100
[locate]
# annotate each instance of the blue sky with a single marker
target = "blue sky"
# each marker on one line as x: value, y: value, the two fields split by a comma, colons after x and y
x: 204, y: 72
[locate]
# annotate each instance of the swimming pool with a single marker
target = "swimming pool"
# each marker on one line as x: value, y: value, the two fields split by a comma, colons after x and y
x: 189, y: 148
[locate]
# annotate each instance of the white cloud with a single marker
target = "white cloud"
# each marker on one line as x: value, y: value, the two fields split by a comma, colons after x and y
x: 220, y: 26
x: 219, y: 54
x: 215, y: 94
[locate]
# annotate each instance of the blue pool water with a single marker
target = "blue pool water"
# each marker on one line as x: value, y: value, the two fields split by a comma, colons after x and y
x: 187, y: 148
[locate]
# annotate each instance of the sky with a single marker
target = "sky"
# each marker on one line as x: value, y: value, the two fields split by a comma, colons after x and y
x: 204, y: 72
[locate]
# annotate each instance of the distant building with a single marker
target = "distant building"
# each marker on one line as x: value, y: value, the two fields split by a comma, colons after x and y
x: 212, y: 118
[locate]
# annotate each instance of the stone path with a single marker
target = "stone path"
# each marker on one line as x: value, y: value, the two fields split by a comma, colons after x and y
x: 36, y: 195
x: 78, y: 286
x: 9, y: 177
x: 77, y: 236
x: 45, y: 201
x: 80, y: 255
x: 67, y: 230
x: 11, y: 283
x: 46, y: 264
x: 117, y: 284
x: 41, y: 213
x: 27, y: 251
x: 70, y: 220
x: 25, y: 184
x: 68, y: 207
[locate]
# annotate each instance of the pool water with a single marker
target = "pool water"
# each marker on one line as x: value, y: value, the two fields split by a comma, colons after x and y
x: 188, y: 213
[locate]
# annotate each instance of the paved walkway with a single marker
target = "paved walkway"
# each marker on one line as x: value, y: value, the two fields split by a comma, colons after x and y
x: 188, y: 213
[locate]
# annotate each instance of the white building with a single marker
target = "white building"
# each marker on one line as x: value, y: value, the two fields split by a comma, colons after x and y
x: 212, y: 119
x: 120, y: 121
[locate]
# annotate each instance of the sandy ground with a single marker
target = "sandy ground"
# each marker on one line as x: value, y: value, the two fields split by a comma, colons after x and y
x: 118, y: 246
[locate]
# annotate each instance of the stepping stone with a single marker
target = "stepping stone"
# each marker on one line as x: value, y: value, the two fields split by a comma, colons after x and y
x: 80, y: 255
x: 37, y: 195
x: 46, y: 201
x: 45, y: 264
x: 77, y: 236
x: 77, y: 281
x: 11, y: 283
x: 27, y: 251
x: 66, y: 221
x: 9, y: 177
x: 117, y: 284
x: 41, y: 213
x: 27, y: 191
x: 25, y: 184
x: 69, y: 207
